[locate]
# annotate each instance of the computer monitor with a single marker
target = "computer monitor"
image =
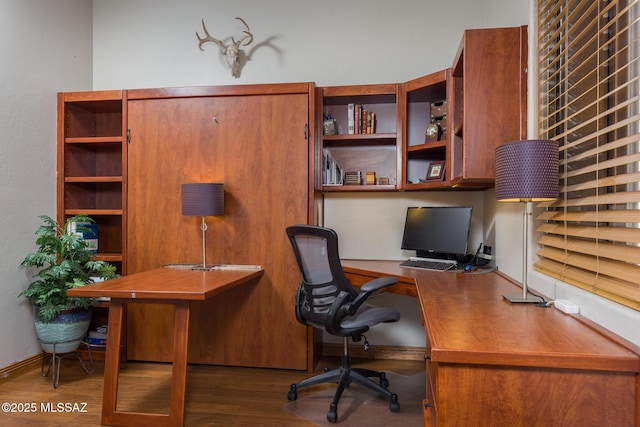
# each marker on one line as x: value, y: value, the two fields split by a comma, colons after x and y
x: 437, y: 232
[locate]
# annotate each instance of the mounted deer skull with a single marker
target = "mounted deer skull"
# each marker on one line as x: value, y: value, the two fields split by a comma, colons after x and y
x: 231, y: 51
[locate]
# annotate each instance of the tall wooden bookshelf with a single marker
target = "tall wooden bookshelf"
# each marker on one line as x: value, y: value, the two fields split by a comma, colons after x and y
x: 92, y: 156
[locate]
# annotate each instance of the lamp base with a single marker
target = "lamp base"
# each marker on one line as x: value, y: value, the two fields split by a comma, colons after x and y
x: 520, y: 299
x: 205, y: 267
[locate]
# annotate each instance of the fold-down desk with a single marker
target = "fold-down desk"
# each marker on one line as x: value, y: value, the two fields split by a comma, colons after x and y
x: 178, y: 286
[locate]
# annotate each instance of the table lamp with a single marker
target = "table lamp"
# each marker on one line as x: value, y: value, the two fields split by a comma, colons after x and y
x: 203, y: 199
x: 526, y: 171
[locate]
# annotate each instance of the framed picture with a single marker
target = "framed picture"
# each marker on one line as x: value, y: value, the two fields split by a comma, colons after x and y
x: 435, y: 171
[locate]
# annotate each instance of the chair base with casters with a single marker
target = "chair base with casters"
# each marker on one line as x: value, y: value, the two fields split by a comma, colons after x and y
x: 344, y: 376
x: 56, y: 360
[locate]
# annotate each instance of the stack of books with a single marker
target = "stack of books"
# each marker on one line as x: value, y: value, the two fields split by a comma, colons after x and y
x: 97, y: 338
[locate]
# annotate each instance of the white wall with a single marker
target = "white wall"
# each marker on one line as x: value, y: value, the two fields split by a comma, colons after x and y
x: 152, y: 43
x: 45, y: 47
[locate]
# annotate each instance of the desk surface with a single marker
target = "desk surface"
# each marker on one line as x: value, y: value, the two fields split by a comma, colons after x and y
x: 168, y: 283
x: 468, y: 321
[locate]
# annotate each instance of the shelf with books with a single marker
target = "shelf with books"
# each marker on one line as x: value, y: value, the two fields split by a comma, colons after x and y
x: 363, y: 146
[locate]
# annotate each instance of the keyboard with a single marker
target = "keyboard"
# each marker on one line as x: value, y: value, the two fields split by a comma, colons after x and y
x: 428, y: 264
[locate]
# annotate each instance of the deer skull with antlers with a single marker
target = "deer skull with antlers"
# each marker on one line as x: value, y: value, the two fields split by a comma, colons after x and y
x: 231, y: 51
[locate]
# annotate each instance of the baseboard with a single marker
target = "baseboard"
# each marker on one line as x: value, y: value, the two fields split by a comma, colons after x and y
x: 20, y: 368
x: 375, y: 352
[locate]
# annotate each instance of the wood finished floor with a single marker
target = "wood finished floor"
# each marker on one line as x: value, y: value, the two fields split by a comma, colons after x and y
x: 216, y: 396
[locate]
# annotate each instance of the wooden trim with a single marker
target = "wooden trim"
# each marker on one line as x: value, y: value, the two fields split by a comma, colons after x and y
x: 20, y: 368
x: 376, y: 352
x: 205, y: 91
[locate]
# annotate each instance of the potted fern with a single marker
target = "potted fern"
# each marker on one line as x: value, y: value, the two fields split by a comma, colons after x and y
x: 63, y: 261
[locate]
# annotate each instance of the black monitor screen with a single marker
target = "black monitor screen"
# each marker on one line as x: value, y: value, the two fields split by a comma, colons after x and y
x: 437, y: 231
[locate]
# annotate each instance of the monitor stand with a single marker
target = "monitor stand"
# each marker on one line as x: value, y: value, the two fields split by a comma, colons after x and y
x: 435, y: 255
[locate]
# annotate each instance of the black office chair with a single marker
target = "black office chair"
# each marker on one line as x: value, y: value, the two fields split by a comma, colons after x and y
x: 326, y: 300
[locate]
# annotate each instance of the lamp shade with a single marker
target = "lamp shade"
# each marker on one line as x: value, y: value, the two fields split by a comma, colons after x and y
x: 527, y: 171
x: 203, y: 199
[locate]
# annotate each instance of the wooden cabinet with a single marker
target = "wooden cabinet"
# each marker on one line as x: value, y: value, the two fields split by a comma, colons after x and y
x: 92, y: 166
x: 489, y: 101
x: 359, y: 152
x: 421, y: 152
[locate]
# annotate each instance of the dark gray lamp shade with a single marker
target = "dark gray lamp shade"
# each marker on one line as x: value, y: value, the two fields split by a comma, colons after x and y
x: 203, y: 199
x: 527, y: 171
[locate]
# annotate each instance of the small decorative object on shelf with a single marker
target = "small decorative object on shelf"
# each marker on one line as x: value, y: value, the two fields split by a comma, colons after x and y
x: 439, y: 109
x: 438, y: 122
x: 383, y: 181
x: 329, y: 125
x: 435, y: 171
x: 353, y: 178
x: 371, y: 178
x: 433, y: 133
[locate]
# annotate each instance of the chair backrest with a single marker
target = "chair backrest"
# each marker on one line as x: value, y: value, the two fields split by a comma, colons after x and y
x: 316, y: 251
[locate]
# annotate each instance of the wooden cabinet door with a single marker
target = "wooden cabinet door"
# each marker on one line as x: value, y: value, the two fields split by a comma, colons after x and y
x: 257, y: 146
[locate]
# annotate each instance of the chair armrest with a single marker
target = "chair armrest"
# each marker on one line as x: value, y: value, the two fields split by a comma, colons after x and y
x: 379, y: 283
x: 367, y: 289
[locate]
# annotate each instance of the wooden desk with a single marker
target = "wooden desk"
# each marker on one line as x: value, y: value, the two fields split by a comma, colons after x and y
x: 167, y: 285
x: 493, y: 363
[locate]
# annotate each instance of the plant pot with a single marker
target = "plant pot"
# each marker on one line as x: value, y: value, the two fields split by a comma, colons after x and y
x: 65, y: 333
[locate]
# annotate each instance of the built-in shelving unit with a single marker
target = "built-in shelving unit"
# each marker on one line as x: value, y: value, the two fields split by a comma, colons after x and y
x: 377, y: 152
x: 421, y: 152
x: 92, y: 166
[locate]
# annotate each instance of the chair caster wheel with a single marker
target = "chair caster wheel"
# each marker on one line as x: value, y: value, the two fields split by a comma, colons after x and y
x: 394, y: 406
x: 293, y: 393
x: 332, y: 416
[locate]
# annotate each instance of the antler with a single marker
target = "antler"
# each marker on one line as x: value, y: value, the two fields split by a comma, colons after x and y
x: 247, y: 32
x: 208, y: 38
x: 231, y: 51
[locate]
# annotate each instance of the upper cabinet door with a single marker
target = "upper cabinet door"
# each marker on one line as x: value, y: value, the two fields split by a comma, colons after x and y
x: 489, y: 100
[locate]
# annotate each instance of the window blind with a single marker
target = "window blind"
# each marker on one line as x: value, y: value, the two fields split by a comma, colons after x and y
x: 589, y: 73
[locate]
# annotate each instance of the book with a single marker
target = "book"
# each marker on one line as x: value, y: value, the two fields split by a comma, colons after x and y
x: 97, y: 341
x: 89, y: 233
x: 350, y: 119
x: 363, y: 120
x: 96, y: 334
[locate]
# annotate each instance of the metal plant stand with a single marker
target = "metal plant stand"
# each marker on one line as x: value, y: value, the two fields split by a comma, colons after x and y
x: 56, y: 359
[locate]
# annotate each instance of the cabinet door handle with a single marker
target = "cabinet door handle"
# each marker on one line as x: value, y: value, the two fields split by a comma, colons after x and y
x: 427, y: 357
x: 428, y: 405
